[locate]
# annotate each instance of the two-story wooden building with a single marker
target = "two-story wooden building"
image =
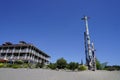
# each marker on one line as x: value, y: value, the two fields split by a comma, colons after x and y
x: 22, y: 51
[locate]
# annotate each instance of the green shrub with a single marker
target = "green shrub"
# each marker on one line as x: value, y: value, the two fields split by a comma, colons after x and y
x: 9, y: 65
x: 19, y: 62
x: 25, y: 66
x: 112, y: 68
x: 40, y: 65
x: 82, y: 68
x: 72, y: 65
x: 1, y: 65
x: 15, y: 66
x: 52, y: 66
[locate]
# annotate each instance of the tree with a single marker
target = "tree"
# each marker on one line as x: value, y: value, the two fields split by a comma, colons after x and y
x: 112, y: 68
x: 40, y: 65
x: 61, y: 63
x: 52, y: 66
x: 98, y: 65
x: 73, y: 65
x: 103, y: 65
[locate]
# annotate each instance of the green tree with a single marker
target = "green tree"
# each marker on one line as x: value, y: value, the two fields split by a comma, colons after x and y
x: 40, y: 65
x: 112, y: 68
x: 98, y: 65
x: 73, y: 65
x: 52, y: 66
x: 61, y: 63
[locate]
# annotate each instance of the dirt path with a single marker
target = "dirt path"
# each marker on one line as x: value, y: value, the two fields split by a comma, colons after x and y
x: 42, y: 74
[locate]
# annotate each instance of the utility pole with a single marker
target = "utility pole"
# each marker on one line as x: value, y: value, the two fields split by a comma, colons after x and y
x: 89, y: 48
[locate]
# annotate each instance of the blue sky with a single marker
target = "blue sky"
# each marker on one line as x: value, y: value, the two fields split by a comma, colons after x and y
x: 55, y: 27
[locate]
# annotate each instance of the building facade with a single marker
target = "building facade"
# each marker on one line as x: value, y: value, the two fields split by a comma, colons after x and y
x: 22, y: 51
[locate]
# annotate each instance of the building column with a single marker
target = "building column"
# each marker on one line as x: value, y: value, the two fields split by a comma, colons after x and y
x: 1, y: 52
x: 19, y: 53
x: 5, y: 57
x: 12, y: 53
x: 30, y: 54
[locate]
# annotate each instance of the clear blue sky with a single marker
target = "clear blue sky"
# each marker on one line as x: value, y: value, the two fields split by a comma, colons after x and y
x: 55, y: 26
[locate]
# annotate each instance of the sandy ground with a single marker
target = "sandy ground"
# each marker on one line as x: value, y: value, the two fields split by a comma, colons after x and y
x: 43, y: 74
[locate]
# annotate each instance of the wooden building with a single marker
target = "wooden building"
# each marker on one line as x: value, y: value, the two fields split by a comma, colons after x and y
x: 22, y: 51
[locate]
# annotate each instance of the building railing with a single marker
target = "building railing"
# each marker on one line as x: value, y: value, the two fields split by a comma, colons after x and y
x: 32, y: 55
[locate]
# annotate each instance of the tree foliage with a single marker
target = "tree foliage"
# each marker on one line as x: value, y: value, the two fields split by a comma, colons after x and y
x: 112, y: 68
x: 40, y: 65
x: 98, y: 65
x: 73, y: 65
x: 61, y: 63
x: 52, y: 66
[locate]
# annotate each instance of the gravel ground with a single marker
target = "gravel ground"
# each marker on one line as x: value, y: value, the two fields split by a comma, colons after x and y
x: 43, y: 74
